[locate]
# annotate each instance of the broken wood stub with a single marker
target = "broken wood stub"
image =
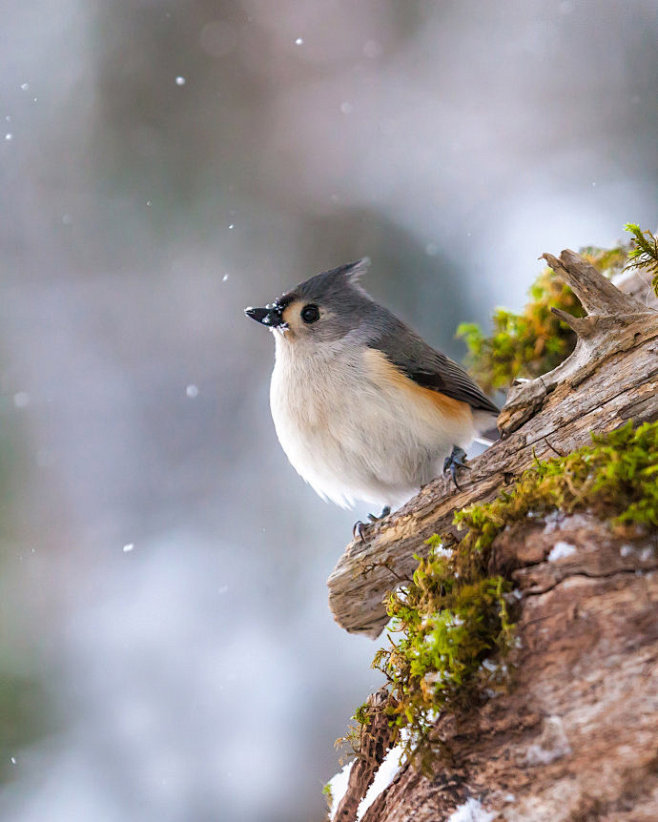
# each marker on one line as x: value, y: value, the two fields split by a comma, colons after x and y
x: 611, y: 325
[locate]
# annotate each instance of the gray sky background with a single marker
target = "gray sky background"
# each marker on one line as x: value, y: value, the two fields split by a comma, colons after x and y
x: 162, y: 165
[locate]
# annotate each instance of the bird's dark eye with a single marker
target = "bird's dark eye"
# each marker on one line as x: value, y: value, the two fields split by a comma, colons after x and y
x: 310, y: 313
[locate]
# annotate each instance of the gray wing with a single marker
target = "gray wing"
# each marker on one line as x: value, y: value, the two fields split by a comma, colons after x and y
x: 427, y: 367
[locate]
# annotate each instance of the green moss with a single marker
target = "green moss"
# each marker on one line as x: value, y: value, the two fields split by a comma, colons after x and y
x: 535, y: 341
x: 449, y: 626
x: 361, y: 718
x: 326, y: 792
x: 643, y: 252
x: 616, y: 477
x: 449, y: 622
x: 362, y: 714
x: 452, y: 616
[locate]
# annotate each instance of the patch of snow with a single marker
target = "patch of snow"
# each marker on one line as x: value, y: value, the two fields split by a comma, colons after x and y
x: 433, y: 677
x: 494, y: 667
x: 440, y: 551
x: 646, y: 554
x: 553, y: 743
x: 551, y: 521
x: 626, y: 550
x: 472, y: 811
x: 561, y: 550
x: 338, y: 786
x: 386, y: 773
x: 575, y: 521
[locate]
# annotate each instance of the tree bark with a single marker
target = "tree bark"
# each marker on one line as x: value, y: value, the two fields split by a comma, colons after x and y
x: 575, y: 738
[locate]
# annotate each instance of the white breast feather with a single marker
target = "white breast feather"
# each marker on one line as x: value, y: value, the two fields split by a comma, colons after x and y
x: 354, y: 437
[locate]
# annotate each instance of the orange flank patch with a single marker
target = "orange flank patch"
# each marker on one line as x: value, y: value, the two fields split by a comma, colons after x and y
x: 386, y: 372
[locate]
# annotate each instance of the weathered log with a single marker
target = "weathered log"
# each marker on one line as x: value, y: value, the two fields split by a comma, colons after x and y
x: 611, y: 376
x: 575, y: 736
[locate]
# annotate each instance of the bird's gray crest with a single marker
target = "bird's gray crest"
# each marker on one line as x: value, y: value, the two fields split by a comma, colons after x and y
x: 334, y: 281
x: 354, y: 271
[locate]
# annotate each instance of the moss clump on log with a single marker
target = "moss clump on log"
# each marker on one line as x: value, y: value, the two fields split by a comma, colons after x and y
x: 535, y: 341
x: 453, y: 616
x: 643, y: 252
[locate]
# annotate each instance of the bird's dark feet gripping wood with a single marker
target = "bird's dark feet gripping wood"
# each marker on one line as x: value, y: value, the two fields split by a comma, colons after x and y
x: 457, y: 459
x: 357, y: 530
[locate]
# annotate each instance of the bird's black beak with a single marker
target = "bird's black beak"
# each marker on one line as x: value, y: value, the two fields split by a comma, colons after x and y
x: 271, y: 315
x: 257, y: 314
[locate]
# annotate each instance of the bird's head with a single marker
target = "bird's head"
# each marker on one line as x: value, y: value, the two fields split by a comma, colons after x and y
x: 322, y: 309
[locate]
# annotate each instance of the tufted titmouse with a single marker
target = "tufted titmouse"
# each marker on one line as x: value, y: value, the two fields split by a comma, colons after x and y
x: 362, y: 406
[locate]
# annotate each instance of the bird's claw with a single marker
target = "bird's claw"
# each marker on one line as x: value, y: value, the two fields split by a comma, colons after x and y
x: 386, y: 510
x: 457, y: 459
x: 357, y: 530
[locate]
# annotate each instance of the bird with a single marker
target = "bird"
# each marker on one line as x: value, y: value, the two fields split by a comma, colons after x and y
x: 365, y: 409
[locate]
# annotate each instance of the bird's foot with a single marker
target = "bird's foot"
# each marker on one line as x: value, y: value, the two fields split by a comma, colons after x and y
x: 457, y: 459
x: 357, y: 530
x: 386, y: 510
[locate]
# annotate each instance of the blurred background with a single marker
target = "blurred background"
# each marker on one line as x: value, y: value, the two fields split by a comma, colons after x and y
x: 166, y: 648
